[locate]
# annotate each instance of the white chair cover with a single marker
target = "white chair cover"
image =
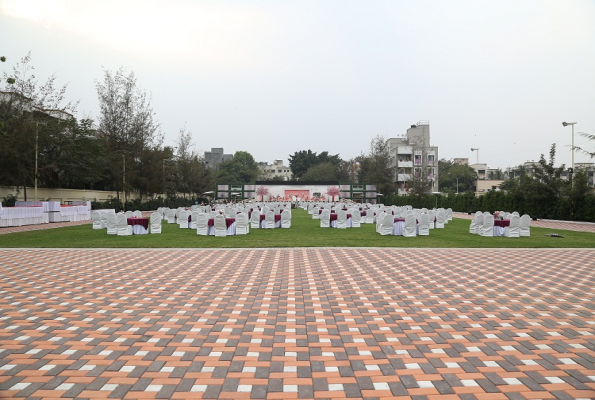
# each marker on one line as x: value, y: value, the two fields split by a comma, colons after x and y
x: 369, y: 216
x: 410, y: 227
x: 380, y: 221
x: 202, y: 224
x: 242, y: 227
x: 431, y: 219
x: 342, y: 219
x: 356, y: 218
x: 514, y: 229
x: 219, y: 224
x: 112, y: 224
x: 193, y: 217
x: 269, y: 218
x: 440, y: 218
x: 183, y: 219
x: 96, y: 217
x: 325, y: 219
x: 123, y: 228
x: 423, y: 227
x: 171, y: 216
x: 387, y: 224
x: 156, y: 219
x: 129, y: 214
x: 285, y: 219
x: 255, y: 219
x: 473, y: 226
x: 137, y: 214
x: 525, y: 228
x: 488, y: 226
x: 316, y: 213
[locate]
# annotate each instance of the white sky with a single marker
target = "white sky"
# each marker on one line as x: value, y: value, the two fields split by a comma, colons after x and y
x: 275, y: 77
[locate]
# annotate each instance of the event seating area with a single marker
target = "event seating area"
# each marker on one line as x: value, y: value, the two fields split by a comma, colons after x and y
x: 238, y: 219
x: 390, y: 220
x: 220, y: 220
x: 501, y: 223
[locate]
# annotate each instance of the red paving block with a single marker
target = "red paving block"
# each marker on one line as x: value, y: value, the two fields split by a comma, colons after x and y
x: 335, y: 323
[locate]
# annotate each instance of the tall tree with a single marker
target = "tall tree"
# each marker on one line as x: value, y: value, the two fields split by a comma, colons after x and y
x: 241, y: 169
x: 455, y: 177
x: 376, y: 167
x: 321, y: 172
x: 347, y: 171
x: 70, y: 156
x: 184, y: 156
x: 301, y: 161
x: 26, y: 110
x: 127, y: 126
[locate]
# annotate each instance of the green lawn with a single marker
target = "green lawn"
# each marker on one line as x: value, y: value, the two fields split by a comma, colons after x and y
x: 304, y: 232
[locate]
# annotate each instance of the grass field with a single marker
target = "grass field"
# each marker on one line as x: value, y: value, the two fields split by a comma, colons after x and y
x: 304, y: 232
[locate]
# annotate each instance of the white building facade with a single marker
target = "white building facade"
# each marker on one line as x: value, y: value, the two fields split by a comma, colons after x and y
x: 276, y: 169
x: 413, y: 156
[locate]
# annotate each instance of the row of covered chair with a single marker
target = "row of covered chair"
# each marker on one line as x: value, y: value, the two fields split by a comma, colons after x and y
x: 483, y: 224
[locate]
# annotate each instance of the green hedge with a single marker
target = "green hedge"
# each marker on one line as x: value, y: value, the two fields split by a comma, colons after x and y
x: 583, y: 209
x: 148, y: 205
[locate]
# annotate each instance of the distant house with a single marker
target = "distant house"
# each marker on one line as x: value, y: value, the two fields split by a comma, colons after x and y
x: 276, y: 169
x: 413, y: 155
x: 216, y: 156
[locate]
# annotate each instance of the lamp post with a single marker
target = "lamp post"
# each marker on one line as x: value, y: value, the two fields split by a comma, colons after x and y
x: 457, y: 185
x: 572, y: 149
x: 36, y: 155
x: 476, y: 169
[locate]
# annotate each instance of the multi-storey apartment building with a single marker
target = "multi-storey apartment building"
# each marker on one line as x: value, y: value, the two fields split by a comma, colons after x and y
x: 414, y: 157
x: 277, y: 169
x: 216, y: 156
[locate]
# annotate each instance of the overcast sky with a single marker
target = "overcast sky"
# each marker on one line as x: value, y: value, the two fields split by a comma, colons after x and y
x: 275, y: 77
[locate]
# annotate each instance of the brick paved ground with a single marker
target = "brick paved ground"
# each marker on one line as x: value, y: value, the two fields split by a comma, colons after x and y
x: 297, y: 323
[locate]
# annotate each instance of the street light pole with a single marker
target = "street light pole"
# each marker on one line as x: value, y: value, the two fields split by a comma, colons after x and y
x: 572, y: 148
x: 36, y: 155
x: 457, y: 185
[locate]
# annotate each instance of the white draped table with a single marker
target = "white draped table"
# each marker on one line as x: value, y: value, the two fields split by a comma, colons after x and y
x: 18, y: 216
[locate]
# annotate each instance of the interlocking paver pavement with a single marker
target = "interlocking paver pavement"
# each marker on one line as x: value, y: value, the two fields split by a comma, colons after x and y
x: 297, y: 323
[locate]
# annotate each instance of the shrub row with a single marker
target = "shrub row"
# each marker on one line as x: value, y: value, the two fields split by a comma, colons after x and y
x: 560, y: 209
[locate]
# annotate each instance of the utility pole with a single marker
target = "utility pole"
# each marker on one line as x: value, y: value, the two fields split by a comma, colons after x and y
x: 36, y: 155
x: 124, y: 178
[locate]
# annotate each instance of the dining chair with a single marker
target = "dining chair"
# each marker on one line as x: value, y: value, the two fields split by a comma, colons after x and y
x: 112, y: 224
x: 488, y: 226
x: 202, y: 224
x: 183, y: 219
x: 242, y: 226
x: 423, y: 226
x: 220, y: 225
x: 155, y: 222
x: 514, y: 229
x: 285, y: 219
x: 525, y: 228
x: 123, y: 228
x: 255, y: 219
x: 269, y: 219
x: 410, y: 226
x: 96, y: 217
